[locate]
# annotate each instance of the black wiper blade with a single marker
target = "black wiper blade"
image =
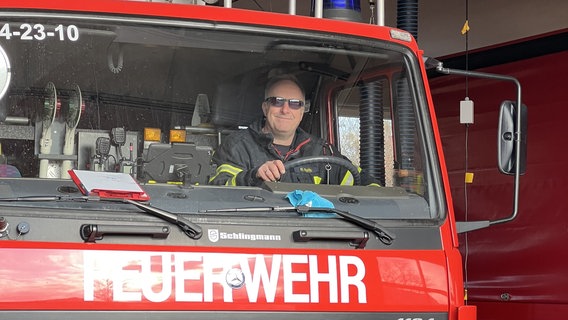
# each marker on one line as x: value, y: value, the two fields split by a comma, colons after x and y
x: 191, y: 229
x: 384, y: 235
x: 50, y: 198
x: 251, y: 209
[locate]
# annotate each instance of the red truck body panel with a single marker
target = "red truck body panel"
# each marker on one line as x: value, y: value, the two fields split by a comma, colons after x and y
x: 129, y: 277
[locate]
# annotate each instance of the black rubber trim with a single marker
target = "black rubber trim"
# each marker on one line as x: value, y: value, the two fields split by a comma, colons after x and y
x: 531, y: 48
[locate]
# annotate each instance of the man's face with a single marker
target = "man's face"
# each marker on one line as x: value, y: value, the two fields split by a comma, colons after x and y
x: 283, y: 120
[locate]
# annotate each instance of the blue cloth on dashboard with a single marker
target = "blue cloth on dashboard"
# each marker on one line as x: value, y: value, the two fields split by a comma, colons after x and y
x: 310, y: 199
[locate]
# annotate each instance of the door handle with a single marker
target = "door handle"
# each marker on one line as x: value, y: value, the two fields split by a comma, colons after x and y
x: 94, y: 232
x: 358, y: 238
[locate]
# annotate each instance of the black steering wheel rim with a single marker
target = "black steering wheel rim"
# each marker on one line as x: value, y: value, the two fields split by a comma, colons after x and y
x: 346, y: 164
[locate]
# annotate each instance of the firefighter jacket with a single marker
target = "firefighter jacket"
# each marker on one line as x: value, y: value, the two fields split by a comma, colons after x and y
x: 242, y: 153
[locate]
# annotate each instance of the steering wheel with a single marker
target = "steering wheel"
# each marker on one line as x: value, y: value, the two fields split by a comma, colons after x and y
x: 346, y: 164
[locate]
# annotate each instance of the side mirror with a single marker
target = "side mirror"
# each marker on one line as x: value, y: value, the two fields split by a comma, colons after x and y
x: 507, y: 137
x: 511, y: 142
x: 5, y: 72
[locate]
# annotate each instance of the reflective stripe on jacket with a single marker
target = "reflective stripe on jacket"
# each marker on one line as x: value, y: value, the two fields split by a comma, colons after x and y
x: 242, y: 153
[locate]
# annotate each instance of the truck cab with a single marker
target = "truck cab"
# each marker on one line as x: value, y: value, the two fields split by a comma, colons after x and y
x: 150, y: 91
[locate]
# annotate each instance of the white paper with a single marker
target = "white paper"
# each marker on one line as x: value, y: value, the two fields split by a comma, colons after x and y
x: 107, y: 181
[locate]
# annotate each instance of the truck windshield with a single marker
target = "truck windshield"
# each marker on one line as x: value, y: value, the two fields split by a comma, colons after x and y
x: 155, y: 99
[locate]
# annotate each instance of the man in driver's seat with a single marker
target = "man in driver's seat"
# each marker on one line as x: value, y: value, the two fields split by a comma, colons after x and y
x: 248, y: 157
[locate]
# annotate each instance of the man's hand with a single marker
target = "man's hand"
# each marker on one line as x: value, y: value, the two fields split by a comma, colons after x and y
x: 271, y: 170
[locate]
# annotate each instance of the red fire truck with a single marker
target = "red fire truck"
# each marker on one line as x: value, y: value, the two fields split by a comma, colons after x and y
x: 111, y: 112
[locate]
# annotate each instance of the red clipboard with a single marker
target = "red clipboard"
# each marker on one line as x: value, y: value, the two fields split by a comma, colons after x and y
x: 115, y: 185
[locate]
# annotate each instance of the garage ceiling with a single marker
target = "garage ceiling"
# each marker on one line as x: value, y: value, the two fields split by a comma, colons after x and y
x: 440, y: 21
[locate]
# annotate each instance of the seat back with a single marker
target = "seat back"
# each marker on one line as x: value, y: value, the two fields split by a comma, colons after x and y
x: 237, y: 103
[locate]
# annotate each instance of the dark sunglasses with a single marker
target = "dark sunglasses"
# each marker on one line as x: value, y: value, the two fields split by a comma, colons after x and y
x: 279, y: 102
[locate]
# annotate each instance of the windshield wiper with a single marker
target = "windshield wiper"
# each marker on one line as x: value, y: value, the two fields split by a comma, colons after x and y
x: 252, y: 209
x: 50, y: 198
x: 384, y: 235
x: 191, y: 229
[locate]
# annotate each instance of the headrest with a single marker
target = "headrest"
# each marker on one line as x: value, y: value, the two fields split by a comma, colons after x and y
x: 237, y: 103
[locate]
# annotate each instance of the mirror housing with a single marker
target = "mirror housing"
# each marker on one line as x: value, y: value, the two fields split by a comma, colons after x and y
x: 507, y: 136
